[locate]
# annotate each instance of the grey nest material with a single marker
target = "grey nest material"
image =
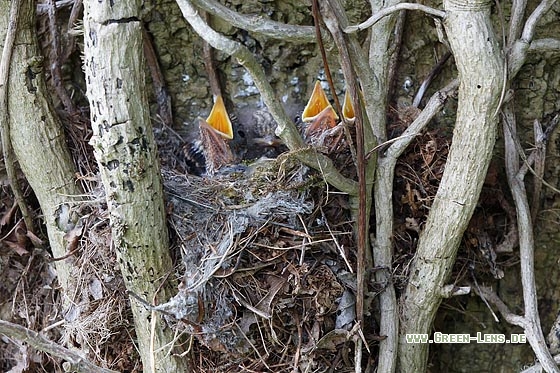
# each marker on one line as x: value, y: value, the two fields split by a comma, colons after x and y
x: 216, y: 219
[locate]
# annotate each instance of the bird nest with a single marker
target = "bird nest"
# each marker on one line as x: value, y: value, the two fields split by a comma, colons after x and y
x: 266, y: 278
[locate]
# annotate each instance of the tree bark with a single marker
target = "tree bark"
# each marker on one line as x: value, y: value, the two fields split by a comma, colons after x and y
x: 382, y: 243
x: 125, y: 150
x: 38, y: 140
x: 481, y: 73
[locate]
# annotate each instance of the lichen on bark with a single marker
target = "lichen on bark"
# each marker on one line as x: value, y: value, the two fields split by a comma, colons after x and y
x: 125, y: 150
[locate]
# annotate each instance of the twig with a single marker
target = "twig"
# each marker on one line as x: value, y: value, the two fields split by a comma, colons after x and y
x: 488, y: 295
x: 529, y: 160
x: 392, y: 9
x: 534, y: 18
x: 78, y: 363
x: 511, y: 238
x: 545, y: 45
x: 362, y: 220
x: 434, y: 105
x: 71, y: 34
x: 426, y: 83
x: 261, y: 358
x: 540, y: 157
x: 297, y: 353
x: 518, y: 50
x: 317, y: 24
x: 338, y: 246
x: 56, y: 73
x: 516, y: 20
x: 4, y: 114
x: 158, y: 81
x: 305, y: 239
x: 258, y: 24
x: 395, y: 50
x: 364, y: 195
x: 531, y: 319
x: 209, y: 64
x: 483, y: 297
x: 449, y: 291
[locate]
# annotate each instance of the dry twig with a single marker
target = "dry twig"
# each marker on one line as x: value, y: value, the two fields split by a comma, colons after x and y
x: 77, y: 362
x: 55, y: 63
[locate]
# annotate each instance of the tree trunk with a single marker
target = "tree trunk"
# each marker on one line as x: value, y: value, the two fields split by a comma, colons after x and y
x: 125, y: 150
x: 38, y: 140
x: 481, y: 73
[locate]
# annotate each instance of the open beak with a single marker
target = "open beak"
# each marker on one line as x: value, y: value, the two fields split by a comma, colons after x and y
x: 317, y: 104
x: 219, y: 119
x: 348, y: 109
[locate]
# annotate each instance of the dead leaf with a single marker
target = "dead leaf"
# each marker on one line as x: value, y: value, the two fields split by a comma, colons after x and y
x: 8, y: 215
x: 17, y: 239
x: 72, y: 237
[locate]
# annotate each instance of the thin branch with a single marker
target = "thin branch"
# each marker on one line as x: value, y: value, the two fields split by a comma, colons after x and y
x: 449, y: 291
x: 434, y: 105
x: 158, y: 80
x: 258, y: 24
x: 78, y: 363
x: 392, y: 9
x: 210, y: 64
x: 493, y: 299
x: 318, y: 35
x: 517, y: 53
x: 532, y: 324
x: 7, y: 151
x: 516, y: 20
x: 75, y: 15
x: 426, y: 83
x: 286, y: 129
x: 534, y: 18
x: 55, y: 69
x: 362, y: 222
x: 539, y: 166
x: 529, y: 161
x: 545, y: 45
x: 395, y: 50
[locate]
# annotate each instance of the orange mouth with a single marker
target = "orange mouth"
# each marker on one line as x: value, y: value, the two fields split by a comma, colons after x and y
x: 348, y: 109
x: 219, y: 119
x: 317, y: 104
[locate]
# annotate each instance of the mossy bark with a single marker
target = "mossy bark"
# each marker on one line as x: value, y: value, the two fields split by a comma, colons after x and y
x: 38, y: 140
x: 125, y: 150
